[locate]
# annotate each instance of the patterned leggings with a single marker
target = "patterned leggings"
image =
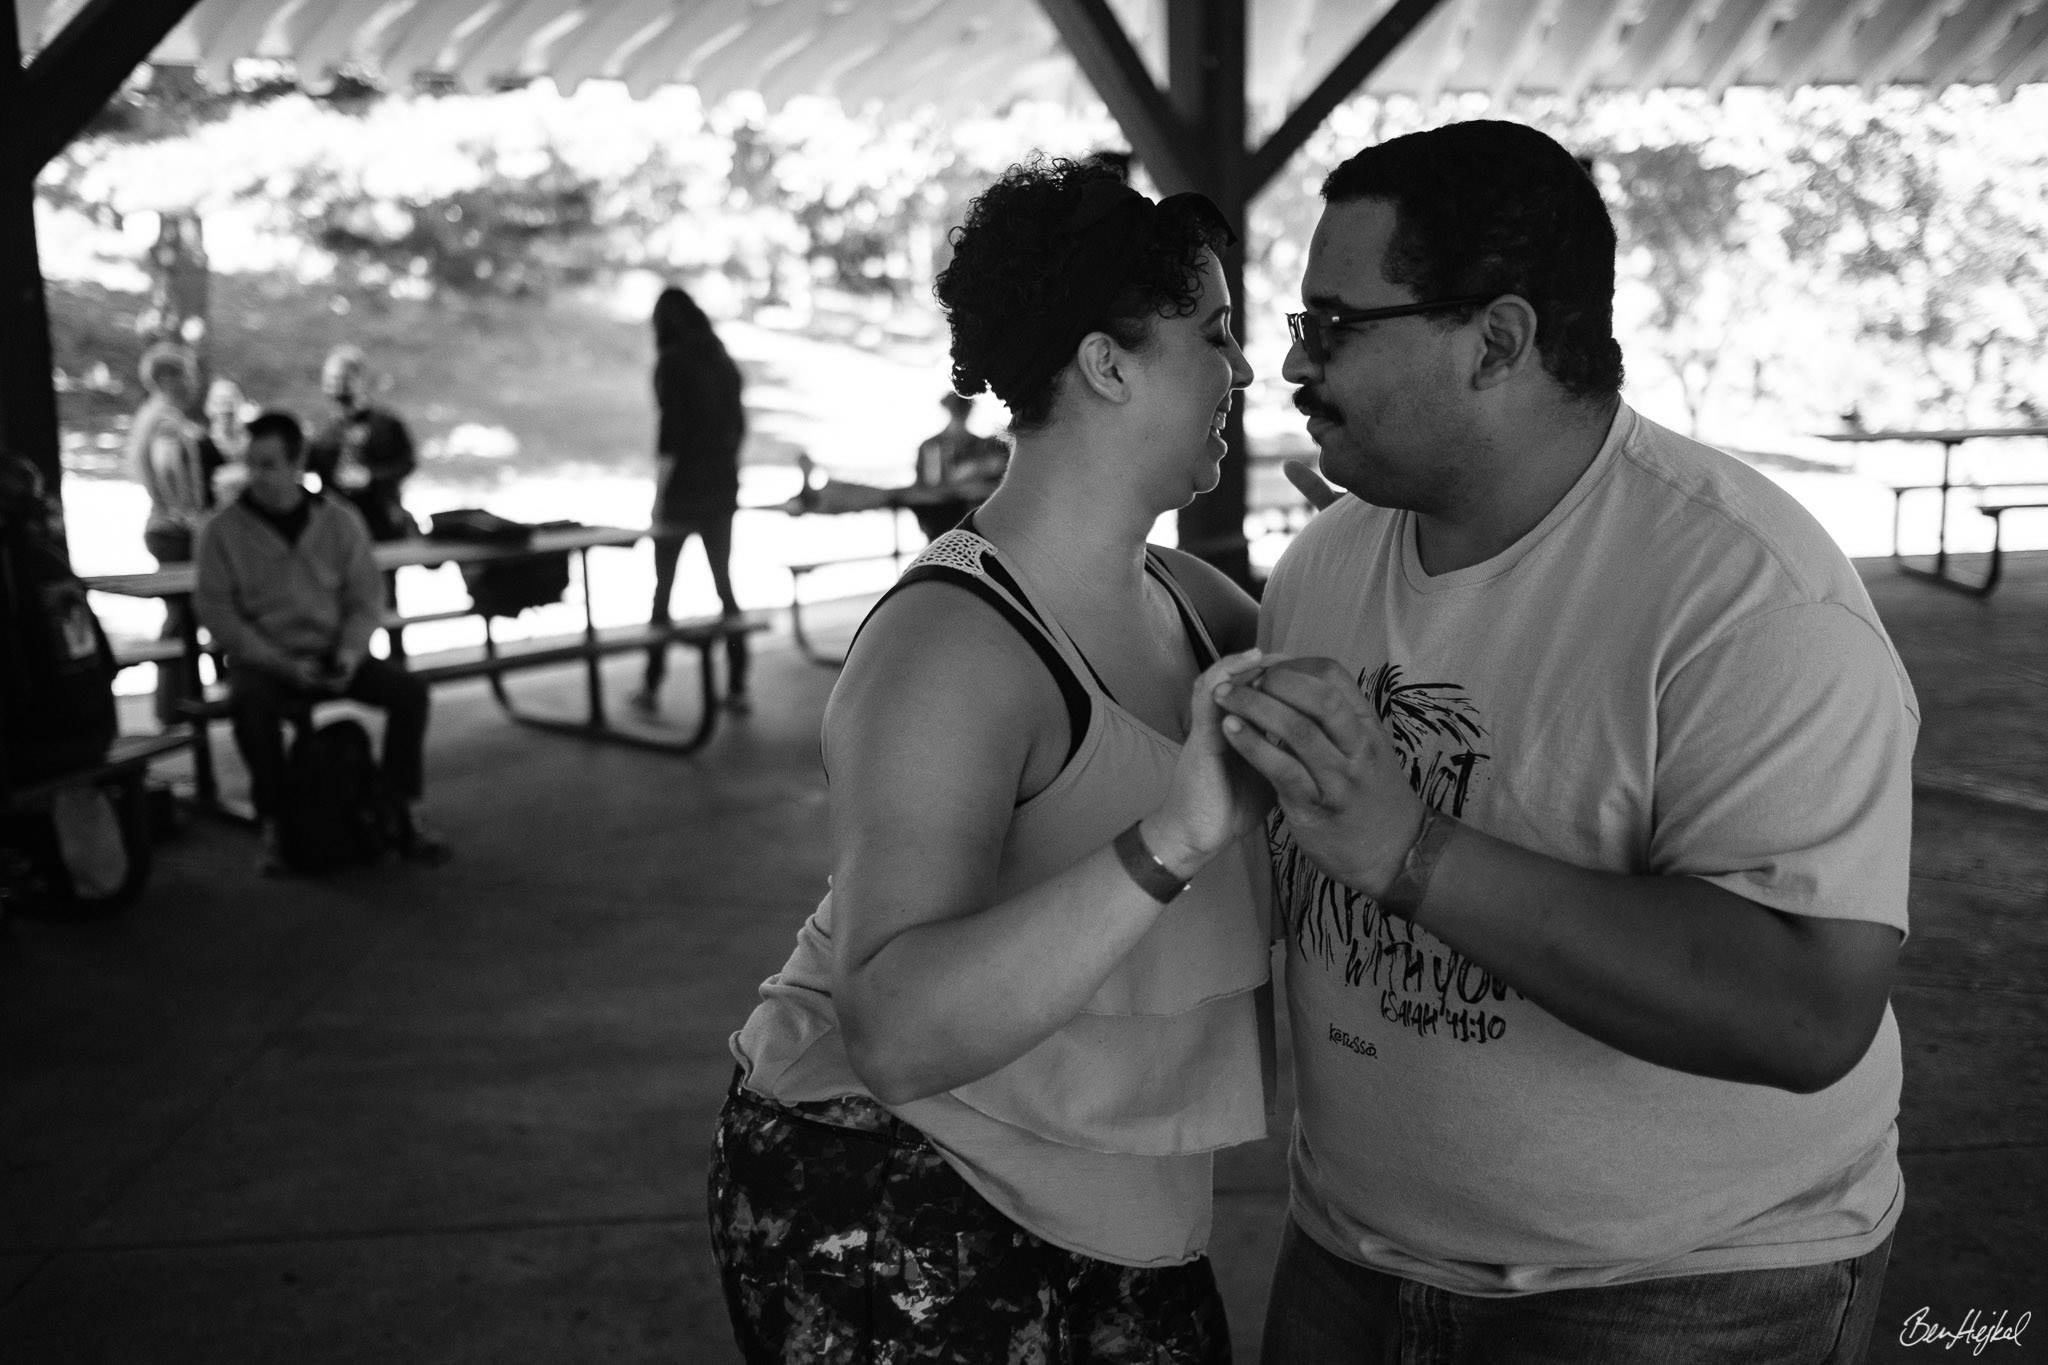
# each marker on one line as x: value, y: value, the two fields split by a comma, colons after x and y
x: 843, y: 1236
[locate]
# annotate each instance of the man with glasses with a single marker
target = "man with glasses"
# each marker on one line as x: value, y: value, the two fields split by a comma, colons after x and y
x: 1594, y: 796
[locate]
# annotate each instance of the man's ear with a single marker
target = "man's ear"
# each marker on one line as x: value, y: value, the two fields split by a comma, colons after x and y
x: 1507, y: 341
x: 1100, y: 361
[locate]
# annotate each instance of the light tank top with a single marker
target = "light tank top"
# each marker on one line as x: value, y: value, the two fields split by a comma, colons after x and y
x: 1100, y: 1138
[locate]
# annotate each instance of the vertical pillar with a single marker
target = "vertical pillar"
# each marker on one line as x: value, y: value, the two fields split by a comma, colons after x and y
x: 28, y: 402
x: 1206, y: 85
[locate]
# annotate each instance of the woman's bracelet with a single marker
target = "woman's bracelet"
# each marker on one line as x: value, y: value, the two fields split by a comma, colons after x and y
x: 1404, y: 894
x: 1153, y: 877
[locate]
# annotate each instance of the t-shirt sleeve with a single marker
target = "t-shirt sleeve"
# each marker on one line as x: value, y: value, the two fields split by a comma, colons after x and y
x: 1784, y: 766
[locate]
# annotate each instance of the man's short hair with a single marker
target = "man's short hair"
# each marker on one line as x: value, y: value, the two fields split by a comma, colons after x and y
x: 1491, y: 207
x: 284, y: 426
x: 167, y: 355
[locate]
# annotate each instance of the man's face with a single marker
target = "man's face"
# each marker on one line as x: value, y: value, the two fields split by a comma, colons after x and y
x: 341, y: 380
x: 1384, y: 406
x: 275, y: 478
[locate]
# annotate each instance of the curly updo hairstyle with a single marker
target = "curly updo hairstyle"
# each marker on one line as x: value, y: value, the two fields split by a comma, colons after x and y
x: 1053, y: 251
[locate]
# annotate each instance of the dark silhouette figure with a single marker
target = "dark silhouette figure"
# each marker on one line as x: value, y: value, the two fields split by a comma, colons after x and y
x: 701, y: 427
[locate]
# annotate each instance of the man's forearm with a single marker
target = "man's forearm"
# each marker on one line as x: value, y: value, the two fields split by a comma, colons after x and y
x: 1673, y: 970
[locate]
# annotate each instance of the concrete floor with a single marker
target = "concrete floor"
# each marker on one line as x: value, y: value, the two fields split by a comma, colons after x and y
x: 462, y: 1115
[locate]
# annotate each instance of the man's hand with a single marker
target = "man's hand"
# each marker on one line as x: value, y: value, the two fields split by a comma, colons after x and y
x: 305, y: 672
x: 1310, y: 484
x: 1306, y: 727
x: 340, y: 671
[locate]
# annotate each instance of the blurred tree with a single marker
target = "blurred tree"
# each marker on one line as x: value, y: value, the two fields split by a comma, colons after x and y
x: 1683, y: 234
x: 1941, y: 244
x: 508, y: 235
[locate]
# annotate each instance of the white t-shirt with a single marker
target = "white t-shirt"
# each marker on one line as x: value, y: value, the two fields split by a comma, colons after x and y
x: 1676, y: 673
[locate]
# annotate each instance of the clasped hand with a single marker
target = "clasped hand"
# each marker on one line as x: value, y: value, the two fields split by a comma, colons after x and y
x: 1306, y: 727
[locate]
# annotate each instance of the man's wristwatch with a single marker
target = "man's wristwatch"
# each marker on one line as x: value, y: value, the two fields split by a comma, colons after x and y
x: 1403, y: 896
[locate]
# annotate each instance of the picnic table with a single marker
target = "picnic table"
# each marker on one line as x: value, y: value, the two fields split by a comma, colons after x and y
x: 497, y: 658
x: 1995, y: 509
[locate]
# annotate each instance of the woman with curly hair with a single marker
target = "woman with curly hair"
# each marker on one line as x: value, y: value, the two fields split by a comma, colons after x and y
x: 974, y: 1115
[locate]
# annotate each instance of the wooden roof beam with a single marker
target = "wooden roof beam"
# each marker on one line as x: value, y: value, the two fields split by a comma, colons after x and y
x: 328, y: 31
x: 782, y: 28
x: 911, y: 49
x: 226, y: 31
x: 998, y: 51
x: 79, y: 70
x: 698, y: 30
x: 1891, y: 38
x: 1520, y: 39
x: 2023, y: 50
x: 495, y: 49
x: 1654, y: 46
x: 1096, y: 37
x: 1966, y: 36
x: 1730, y: 40
x: 1584, y: 40
x: 1811, y: 36
x: 584, y: 52
x: 816, y: 69
x: 417, y: 45
x: 1345, y: 79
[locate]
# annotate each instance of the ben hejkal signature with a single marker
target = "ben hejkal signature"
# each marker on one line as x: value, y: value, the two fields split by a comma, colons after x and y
x: 1974, y: 1332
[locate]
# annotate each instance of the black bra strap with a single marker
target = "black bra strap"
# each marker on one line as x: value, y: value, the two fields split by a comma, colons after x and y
x: 1079, y: 708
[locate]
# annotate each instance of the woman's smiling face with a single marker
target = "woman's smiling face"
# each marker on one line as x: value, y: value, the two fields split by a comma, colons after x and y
x: 1194, y: 368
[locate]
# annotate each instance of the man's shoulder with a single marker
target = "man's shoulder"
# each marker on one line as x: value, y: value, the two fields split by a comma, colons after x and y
x: 1703, y: 511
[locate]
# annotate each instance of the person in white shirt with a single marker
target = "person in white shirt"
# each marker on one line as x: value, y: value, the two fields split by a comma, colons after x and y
x: 1593, y: 766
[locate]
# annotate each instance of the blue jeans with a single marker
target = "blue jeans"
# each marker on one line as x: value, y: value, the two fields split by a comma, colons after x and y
x: 1326, y: 1310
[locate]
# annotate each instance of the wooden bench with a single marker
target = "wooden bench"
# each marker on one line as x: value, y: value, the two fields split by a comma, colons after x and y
x: 1996, y: 510
x: 495, y: 658
x: 121, y: 771
x: 797, y: 573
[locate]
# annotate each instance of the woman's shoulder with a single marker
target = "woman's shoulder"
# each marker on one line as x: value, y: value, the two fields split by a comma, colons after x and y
x: 938, y: 665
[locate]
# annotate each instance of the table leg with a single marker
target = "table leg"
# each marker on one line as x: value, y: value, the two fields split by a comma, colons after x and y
x: 1948, y: 450
x: 590, y: 672
x: 205, y: 786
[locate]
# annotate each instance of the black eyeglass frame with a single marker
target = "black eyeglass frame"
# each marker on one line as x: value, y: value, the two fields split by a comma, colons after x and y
x: 1311, y: 330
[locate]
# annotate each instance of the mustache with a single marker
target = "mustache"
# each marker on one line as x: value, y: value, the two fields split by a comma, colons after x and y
x: 1308, y: 404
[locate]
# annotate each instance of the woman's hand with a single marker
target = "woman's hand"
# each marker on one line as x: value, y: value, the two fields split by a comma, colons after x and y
x: 1215, y: 796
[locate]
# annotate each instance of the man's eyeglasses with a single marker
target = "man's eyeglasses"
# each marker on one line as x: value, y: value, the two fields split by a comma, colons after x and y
x: 1315, y: 333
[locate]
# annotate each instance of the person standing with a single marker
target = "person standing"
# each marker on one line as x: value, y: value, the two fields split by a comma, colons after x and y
x: 225, y: 439
x: 289, y: 591
x: 364, y: 454
x: 1594, y: 782
x: 975, y: 1114
x: 701, y: 425
x: 165, y: 455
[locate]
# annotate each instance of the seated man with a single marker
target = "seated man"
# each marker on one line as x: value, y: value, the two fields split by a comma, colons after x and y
x: 288, y: 589
x: 956, y: 471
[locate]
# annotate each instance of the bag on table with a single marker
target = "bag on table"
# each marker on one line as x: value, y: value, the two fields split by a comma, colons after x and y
x: 507, y: 587
x: 335, y: 809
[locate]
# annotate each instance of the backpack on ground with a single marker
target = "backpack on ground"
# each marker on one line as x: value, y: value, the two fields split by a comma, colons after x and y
x: 335, y: 809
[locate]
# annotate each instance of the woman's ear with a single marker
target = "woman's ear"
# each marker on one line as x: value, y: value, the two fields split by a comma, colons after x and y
x: 1101, y: 363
